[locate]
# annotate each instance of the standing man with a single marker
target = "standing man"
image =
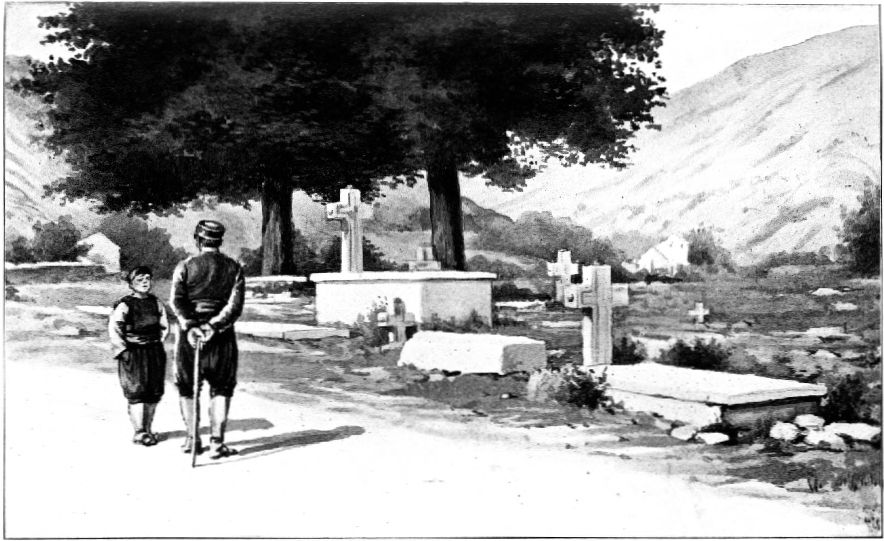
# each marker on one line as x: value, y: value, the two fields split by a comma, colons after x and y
x: 207, y: 296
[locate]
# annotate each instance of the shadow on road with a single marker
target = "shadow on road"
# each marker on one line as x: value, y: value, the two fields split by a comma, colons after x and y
x: 243, y: 425
x: 280, y: 442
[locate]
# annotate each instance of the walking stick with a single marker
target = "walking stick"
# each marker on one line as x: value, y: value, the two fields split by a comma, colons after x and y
x: 195, y: 414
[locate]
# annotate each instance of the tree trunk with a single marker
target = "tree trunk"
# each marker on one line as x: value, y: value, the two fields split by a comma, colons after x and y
x: 446, y: 215
x: 276, y: 230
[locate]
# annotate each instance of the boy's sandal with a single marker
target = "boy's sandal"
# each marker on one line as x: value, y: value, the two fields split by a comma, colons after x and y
x: 222, y: 451
x: 143, y: 438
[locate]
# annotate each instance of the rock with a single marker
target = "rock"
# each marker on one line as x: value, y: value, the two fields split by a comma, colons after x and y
x: 825, y: 331
x: 713, y: 438
x: 844, y: 307
x: 809, y: 421
x: 851, y: 354
x: 684, y: 433
x: 855, y: 431
x: 740, y: 326
x: 826, y: 292
x: 824, y: 354
x: 784, y: 431
x: 543, y: 385
x: 825, y: 440
x: 436, y: 377
x: 473, y: 353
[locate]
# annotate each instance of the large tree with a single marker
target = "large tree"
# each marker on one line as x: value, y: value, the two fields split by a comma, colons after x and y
x: 166, y: 104
x: 480, y: 81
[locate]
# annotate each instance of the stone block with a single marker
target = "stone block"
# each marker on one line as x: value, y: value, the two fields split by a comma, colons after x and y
x: 543, y: 385
x: 287, y: 331
x: 826, y: 439
x: 684, y: 433
x: 809, y: 421
x: 695, y: 413
x: 712, y: 438
x: 784, y: 431
x: 473, y: 353
x: 854, y: 431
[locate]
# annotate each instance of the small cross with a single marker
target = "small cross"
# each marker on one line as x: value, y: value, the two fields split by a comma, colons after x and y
x: 698, y: 312
x: 399, y: 325
x: 350, y: 213
x: 562, y: 271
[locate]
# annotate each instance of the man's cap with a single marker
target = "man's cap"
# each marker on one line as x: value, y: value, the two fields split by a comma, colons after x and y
x: 209, y: 230
x: 137, y: 271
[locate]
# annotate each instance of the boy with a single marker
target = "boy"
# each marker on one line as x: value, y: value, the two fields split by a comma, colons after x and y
x: 138, y: 326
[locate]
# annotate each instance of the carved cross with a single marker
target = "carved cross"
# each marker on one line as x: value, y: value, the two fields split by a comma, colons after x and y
x: 597, y: 297
x: 350, y: 212
x: 562, y: 271
x: 699, y: 313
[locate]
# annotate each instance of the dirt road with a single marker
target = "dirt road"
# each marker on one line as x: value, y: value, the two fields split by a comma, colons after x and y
x: 312, y: 468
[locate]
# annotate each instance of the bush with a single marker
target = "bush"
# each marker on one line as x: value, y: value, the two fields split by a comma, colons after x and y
x: 503, y: 270
x: 861, y: 233
x: 581, y: 388
x: 508, y: 291
x: 628, y: 351
x: 19, y: 251
x: 704, y: 249
x: 141, y: 244
x: 329, y: 259
x: 700, y: 355
x: 57, y: 241
x: 780, y: 259
x: 853, y: 398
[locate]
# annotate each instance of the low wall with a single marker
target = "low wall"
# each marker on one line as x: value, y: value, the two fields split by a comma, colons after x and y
x: 62, y: 271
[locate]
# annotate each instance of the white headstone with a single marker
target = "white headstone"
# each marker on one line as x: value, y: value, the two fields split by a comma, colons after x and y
x: 350, y: 212
x: 698, y: 313
x: 562, y: 271
x: 595, y: 296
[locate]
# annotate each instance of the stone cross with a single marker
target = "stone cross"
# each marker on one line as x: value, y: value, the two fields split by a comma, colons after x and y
x: 399, y: 322
x: 350, y: 212
x: 597, y: 298
x: 698, y: 312
x: 562, y: 271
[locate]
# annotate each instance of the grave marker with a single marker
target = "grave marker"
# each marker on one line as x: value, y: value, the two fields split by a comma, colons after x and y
x: 698, y: 312
x: 350, y: 212
x: 596, y: 297
x: 425, y: 260
x: 562, y: 271
x: 398, y: 322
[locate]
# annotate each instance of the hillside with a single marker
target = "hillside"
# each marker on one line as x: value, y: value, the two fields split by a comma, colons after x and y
x: 767, y: 153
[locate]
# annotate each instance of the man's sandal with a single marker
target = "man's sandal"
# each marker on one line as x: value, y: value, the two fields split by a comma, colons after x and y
x: 219, y: 450
x: 144, y: 438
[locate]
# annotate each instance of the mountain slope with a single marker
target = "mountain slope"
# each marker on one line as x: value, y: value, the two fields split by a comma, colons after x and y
x: 766, y: 153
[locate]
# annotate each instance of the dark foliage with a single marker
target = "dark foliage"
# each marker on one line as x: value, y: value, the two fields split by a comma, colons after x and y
x: 853, y: 398
x: 628, y: 351
x: 57, y: 241
x: 141, y: 244
x: 508, y: 291
x: 704, y: 249
x: 582, y: 388
x: 473, y: 324
x: 307, y: 260
x: 861, y: 233
x: 18, y: 250
x: 780, y: 259
x: 700, y: 355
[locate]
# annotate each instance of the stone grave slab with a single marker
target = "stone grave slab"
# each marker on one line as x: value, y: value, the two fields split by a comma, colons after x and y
x: 704, y: 397
x: 97, y: 310
x: 287, y: 331
x: 473, y: 353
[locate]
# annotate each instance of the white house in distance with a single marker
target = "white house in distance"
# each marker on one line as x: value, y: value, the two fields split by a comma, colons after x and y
x: 667, y: 257
x: 102, y: 251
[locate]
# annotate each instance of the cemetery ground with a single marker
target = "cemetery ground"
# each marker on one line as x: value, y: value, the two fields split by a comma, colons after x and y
x: 336, y: 439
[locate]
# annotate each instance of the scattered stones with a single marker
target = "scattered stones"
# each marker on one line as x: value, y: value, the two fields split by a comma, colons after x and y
x: 712, y: 438
x: 809, y: 421
x: 826, y: 292
x: 825, y: 439
x: 845, y: 307
x: 684, y: 433
x: 854, y: 431
x: 543, y: 385
x: 824, y: 354
x: 784, y: 431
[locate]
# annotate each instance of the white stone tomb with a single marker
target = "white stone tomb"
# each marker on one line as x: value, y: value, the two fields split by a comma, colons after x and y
x: 473, y: 353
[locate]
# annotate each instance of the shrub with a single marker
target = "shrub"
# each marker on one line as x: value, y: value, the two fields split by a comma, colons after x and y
x: 508, y: 291
x: 704, y: 249
x: 780, y: 259
x: 581, y: 388
x: 853, y: 398
x: 861, y: 233
x: 19, y: 251
x: 141, y: 244
x: 473, y: 324
x: 251, y: 260
x: 329, y: 259
x: 503, y: 270
x: 628, y: 351
x: 700, y: 355
x: 57, y: 241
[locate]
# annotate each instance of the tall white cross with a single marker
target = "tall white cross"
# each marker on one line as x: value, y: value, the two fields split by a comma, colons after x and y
x: 562, y: 271
x: 350, y: 212
x: 597, y: 298
x: 698, y: 312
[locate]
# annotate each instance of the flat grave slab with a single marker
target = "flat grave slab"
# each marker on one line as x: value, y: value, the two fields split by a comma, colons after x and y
x: 704, y: 397
x: 287, y: 331
x: 97, y: 310
x: 473, y: 353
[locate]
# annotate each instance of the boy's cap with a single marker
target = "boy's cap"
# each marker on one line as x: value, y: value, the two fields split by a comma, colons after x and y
x: 209, y: 230
x: 137, y: 271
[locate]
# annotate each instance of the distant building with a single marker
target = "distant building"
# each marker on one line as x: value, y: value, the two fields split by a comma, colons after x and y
x: 102, y: 251
x: 668, y: 257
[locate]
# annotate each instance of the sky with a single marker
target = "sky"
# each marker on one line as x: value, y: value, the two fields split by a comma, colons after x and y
x: 701, y: 39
